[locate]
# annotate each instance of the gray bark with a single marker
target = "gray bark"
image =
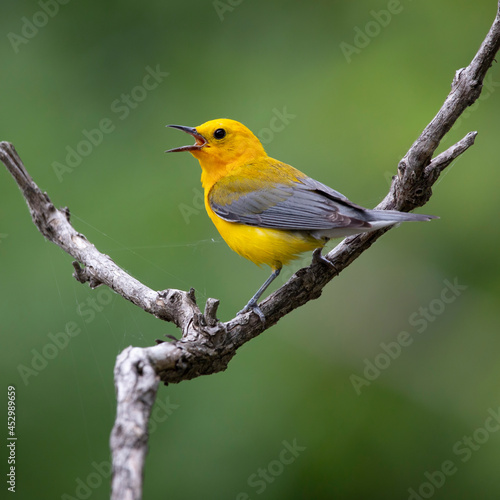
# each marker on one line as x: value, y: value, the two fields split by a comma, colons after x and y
x: 206, y: 345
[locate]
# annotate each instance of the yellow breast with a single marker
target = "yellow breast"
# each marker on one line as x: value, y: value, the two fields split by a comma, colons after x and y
x: 273, y: 247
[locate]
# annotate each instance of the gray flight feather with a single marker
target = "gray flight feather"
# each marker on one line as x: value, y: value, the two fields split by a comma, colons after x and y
x: 302, y: 205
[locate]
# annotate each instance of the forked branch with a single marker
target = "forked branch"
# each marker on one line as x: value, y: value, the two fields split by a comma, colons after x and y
x: 207, y: 345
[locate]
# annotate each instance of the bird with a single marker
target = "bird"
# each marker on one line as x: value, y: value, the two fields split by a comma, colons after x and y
x: 267, y: 211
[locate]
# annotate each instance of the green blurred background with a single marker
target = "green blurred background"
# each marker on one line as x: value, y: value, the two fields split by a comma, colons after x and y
x: 347, y: 123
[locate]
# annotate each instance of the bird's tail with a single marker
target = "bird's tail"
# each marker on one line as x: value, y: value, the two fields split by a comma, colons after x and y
x: 394, y: 216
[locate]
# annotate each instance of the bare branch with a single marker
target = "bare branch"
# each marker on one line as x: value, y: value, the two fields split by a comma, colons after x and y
x: 135, y: 396
x: 172, y: 305
x: 207, y: 345
x: 465, y: 89
x: 441, y: 161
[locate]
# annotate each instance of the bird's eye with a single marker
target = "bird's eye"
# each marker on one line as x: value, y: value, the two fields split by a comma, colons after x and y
x: 220, y: 133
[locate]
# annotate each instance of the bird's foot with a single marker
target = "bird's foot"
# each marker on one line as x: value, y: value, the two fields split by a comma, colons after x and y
x: 318, y: 258
x: 252, y: 306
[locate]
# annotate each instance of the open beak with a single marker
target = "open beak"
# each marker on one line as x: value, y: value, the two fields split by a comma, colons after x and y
x: 200, y: 140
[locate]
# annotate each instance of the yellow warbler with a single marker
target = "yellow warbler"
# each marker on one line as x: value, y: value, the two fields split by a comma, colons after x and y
x: 266, y: 210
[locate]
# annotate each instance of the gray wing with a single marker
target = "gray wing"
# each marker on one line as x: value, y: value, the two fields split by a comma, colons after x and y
x: 302, y: 204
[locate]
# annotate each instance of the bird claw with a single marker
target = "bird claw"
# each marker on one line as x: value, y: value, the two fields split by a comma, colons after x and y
x: 317, y: 257
x: 252, y: 306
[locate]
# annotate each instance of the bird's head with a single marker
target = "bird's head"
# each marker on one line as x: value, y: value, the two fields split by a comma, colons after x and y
x: 221, y: 144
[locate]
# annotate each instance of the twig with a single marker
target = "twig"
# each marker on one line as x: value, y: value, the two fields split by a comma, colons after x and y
x: 207, y: 345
